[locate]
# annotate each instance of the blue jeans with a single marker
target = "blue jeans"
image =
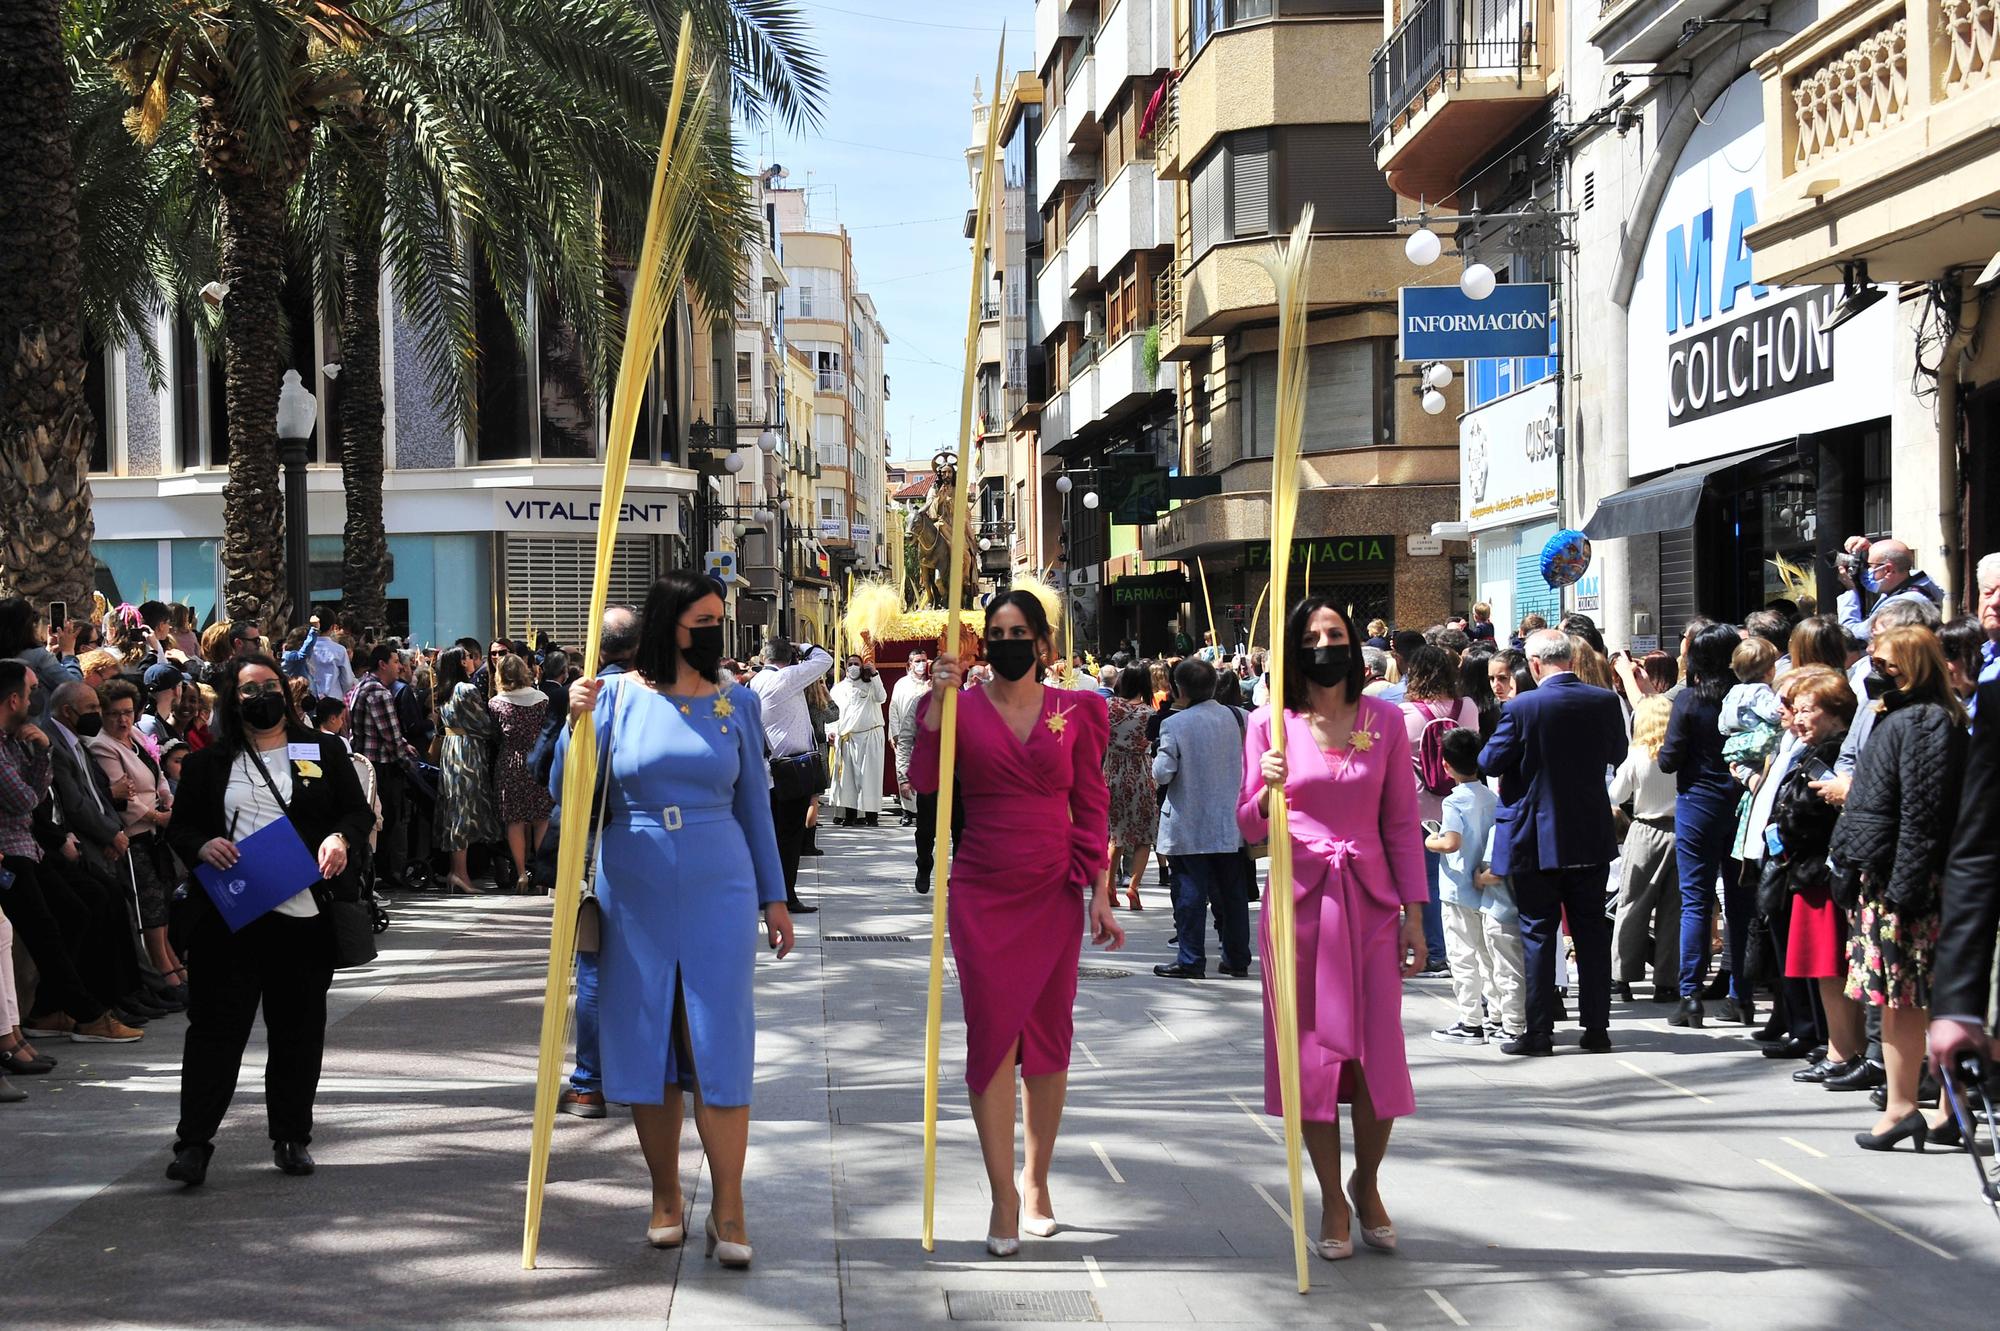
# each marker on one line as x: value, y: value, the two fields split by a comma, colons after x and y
x: 587, y: 1076
x: 1433, y: 916
x: 1223, y: 881
x: 1704, y: 832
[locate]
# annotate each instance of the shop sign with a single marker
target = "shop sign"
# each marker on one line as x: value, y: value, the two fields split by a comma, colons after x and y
x: 1716, y: 362
x: 1150, y: 589
x: 1343, y: 554
x: 1443, y: 323
x: 1587, y: 596
x: 1507, y: 459
x: 860, y: 531
x: 567, y: 511
x: 834, y: 527
x: 721, y: 565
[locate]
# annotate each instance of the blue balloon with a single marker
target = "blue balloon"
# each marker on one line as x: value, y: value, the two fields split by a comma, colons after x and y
x: 1565, y: 558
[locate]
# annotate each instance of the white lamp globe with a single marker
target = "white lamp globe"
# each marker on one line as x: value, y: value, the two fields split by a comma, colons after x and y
x: 985, y: 543
x: 1423, y: 247
x: 733, y: 463
x: 768, y: 441
x: 1477, y: 281
x: 1438, y: 375
x: 1090, y: 499
x: 1433, y: 401
x: 1063, y: 484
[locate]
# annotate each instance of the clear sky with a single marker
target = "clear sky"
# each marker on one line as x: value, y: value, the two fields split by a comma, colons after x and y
x: 889, y: 162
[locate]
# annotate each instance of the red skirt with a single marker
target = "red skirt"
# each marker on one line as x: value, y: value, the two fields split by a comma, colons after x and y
x: 1816, y: 945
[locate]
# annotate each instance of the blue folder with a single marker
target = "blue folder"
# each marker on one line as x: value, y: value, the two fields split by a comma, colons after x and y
x: 273, y: 866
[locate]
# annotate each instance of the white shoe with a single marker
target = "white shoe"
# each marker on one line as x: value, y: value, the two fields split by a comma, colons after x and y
x: 999, y: 1247
x: 1335, y: 1250
x: 666, y: 1236
x: 734, y: 1255
x: 1041, y: 1226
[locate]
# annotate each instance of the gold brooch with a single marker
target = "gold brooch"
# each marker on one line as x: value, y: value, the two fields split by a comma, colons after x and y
x: 1362, y: 740
x: 723, y: 707
x: 1056, y: 721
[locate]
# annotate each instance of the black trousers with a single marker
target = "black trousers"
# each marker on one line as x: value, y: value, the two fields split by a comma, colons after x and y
x: 284, y: 963
x: 1544, y: 897
x: 927, y: 832
x: 788, y: 818
x: 393, y: 845
x: 74, y: 928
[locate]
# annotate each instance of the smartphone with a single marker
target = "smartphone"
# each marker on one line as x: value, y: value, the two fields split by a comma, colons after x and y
x: 1432, y: 827
x: 1774, y: 843
x: 58, y: 616
x: 1818, y: 771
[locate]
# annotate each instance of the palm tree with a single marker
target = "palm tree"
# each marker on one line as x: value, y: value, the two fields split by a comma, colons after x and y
x: 45, y: 424
x: 507, y: 123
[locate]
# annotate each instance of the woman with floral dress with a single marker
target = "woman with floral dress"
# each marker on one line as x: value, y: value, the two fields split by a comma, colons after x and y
x: 1128, y: 771
x: 518, y: 710
x: 465, y: 812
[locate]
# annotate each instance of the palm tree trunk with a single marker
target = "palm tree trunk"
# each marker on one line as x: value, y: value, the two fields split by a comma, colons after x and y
x: 365, y: 548
x: 45, y: 426
x: 251, y: 222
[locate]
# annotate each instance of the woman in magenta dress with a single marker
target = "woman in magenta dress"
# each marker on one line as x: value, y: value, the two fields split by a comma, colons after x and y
x: 1359, y: 891
x: 1033, y: 854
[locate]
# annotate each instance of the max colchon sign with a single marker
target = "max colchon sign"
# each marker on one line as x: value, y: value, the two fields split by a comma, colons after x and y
x: 1443, y: 323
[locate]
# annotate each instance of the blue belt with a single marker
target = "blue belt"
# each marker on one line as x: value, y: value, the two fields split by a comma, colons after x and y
x: 673, y: 817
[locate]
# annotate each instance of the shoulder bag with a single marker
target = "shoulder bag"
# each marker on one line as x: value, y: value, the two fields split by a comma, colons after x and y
x: 353, y: 920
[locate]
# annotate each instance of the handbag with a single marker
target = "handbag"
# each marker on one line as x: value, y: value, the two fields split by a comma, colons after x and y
x: 799, y: 776
x: 1760, y: 952
x: 1773, y: 886
x: 352, y: 919
x: 590, y: 915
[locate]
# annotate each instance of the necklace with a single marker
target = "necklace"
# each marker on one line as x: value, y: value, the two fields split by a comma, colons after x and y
x: 721, y: 708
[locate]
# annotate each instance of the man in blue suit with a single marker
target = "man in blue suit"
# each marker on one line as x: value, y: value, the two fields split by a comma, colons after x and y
x: 1554, y: 839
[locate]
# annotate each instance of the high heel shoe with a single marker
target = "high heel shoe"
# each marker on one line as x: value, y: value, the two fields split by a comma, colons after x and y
x: 668, y: 1236
x: 1689, y: 1013
x: 458, y: 886
x: 1132, y: 901
x: 734, y: 1255
x: 1336, y: 1250
x: 1382, y: 1238
x: 1948, y: 1133
x: 999, y: 1247
x: 1041, y: 1226
x: 1911, y: 1125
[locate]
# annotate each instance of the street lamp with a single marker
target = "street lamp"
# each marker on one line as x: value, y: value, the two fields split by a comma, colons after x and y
x: 298, y: 413
x: 1063, y: 484
x: 1423, y: 247
x: 1477, y: 281
x: 1090, y: 499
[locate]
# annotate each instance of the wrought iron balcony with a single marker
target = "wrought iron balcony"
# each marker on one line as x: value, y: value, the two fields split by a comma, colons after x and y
x: 1439, y: 44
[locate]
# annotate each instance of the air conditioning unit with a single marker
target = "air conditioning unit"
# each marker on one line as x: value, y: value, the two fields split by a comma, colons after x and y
x: 1093, y: 321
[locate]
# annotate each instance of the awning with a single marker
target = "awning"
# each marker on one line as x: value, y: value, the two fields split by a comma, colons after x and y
x: 1666, y: 502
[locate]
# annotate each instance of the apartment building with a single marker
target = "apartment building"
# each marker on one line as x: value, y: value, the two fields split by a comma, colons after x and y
x: 1270, y: 111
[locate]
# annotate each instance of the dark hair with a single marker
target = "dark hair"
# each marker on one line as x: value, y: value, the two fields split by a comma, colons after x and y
x: 17, y: 626
x: 119, y: 690
x: 1195, y: 678
x: 1228, y: 688
x: 1031, y: 608
x: 1772, y: 626
x: 153, y: 612
x: 1476, y: 682
x: 1662, y: 668
x: 1517, y: 666
x: 1694, y: 626
x: 1583, y: 626
x: 555, y: 663
x: 225, y: 724
x: 1403, y: 642
x: 380, y: 655
x: 1710, y: 673
x: 241, y: 630
x: 451, y: 669
x: 1786, y: 606
x: 1431, y: 674
x: 1294, y: 692
x: 470, y: 646
x: 1961, y: 639
x: 325, y: 710
x: 13, y: 678
x: 659, y: 654
x: 1817, y: 640
x: 1135, y: 684
x: 1461, y: 750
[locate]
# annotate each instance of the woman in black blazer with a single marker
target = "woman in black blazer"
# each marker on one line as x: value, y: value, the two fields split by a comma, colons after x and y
x: 263, y: 764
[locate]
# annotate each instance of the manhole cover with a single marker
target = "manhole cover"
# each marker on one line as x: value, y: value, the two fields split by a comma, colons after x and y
x: 867, y: 938
x: 1021, y: 1305
x: 1101, y: 973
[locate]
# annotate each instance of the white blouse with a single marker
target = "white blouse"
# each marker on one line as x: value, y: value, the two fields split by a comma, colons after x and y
x: 247, y: 807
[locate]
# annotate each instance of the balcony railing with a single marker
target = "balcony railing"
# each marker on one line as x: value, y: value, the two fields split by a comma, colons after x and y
x: 989, y: 310
x: 832, y: 381
x: 1167, y: 127
x: 1439, y: 42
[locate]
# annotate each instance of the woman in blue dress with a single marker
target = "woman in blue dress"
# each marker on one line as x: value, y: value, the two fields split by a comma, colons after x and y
x: 688, y: 859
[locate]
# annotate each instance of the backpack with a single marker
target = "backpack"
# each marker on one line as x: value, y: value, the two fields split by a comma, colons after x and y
x: 1432, y: 774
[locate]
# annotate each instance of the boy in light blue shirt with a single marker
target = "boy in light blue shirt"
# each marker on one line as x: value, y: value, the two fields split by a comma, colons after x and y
x: 1482, y: 929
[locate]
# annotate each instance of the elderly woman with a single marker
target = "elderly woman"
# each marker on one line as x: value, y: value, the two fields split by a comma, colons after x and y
x: 1890, y: 843
x: 147, y: 809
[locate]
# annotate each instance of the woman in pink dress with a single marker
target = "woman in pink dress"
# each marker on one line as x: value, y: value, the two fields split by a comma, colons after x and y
x: 1031, y: 774
x: 1359, y: 893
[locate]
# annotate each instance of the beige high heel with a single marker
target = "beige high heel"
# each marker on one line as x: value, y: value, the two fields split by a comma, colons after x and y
x: 1382, y: 1238
x: 667, y: 1236
x: 733, y: 1255
x: 1041, y: 1226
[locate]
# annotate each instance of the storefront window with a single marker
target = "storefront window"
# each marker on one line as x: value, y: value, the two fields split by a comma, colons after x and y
x: 128, y: 572
x: 196, y: 581
x: 446, y: 583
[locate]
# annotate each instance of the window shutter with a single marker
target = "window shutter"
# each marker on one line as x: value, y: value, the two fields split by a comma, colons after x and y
x: 1201, y: 201
x: 1340, y: 407
x: 1250, y: 184
x: 549, y: 577
x: 1333, y: 168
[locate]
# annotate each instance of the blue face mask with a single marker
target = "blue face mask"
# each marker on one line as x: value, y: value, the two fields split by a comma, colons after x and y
x: 1866, y: 579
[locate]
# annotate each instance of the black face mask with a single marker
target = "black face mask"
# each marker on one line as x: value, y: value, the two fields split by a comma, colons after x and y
x: 1010, y: 658
x: 1328, y: 666
x: 1879, y: 686
x: 89, y: 724
x: 703, y: 653
x: 266, y: 711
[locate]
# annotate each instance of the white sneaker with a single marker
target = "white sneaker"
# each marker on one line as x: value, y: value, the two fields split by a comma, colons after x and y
x: 1460, y: 1033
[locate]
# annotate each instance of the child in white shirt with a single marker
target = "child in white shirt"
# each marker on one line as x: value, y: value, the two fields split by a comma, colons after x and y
x: 1482, y: 928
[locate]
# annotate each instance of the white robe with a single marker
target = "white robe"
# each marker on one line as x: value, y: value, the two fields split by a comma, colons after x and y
x: 903, y: 728
x: 858, y: 732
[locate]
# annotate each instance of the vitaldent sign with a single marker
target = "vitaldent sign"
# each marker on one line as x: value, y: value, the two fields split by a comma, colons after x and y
x: 1443, y: 323
x: 572, y: 511
x: 1716, y: 362
x: 1507, y: 459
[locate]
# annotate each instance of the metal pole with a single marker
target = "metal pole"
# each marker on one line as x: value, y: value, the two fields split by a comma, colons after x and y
x: 298, y: 548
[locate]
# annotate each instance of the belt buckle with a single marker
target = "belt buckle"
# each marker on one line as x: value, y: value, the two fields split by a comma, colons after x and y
x: 670, y: 817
